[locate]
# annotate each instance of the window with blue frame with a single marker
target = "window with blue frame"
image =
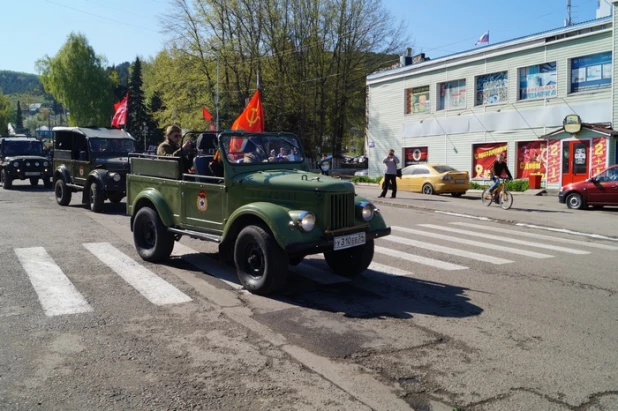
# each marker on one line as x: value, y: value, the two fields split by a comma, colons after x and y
x: 492, y: 88
x: 592, y: 72
x: 538, y: 81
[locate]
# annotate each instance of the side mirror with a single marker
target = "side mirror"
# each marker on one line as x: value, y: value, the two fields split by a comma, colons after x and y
x: 83, y: 156
x: 592, y: 180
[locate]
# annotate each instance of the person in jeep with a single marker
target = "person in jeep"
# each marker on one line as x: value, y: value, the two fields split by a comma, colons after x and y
x: 171, y: 146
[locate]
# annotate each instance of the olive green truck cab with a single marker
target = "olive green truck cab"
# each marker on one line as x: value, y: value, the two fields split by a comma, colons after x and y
x: 261, y: 204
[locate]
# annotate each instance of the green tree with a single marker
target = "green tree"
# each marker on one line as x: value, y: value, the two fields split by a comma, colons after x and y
x: 19, y: 120
x: 5, y: 105
x: 137, y: 118
x: 76, y: 78
x: 155, y: 132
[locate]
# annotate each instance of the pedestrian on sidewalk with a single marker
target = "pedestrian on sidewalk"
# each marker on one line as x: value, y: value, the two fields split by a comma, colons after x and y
x: 390, y: 174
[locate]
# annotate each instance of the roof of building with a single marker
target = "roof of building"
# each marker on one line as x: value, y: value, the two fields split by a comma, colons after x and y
x: 93, y: 132
x: 558, y: 32
x: 598, y: 127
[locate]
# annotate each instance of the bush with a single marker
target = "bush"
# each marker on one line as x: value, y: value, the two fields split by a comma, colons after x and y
x: 514, y: 185
x: 365, y: 179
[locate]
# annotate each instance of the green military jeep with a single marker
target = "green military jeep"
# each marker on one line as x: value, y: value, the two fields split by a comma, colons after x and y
x: 93, y: 161
x: 22, y: 158
x: 260, y: 203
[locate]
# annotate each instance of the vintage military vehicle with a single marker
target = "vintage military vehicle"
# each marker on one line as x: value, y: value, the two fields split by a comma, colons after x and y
x: 22, y: 158
x: 93, y: 161
x: 261, y: 204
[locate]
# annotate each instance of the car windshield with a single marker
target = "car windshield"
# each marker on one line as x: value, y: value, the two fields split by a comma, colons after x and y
x: 444, y: 169
x: 262, y: 148
x: 111, y: 147
x: 22, y: 148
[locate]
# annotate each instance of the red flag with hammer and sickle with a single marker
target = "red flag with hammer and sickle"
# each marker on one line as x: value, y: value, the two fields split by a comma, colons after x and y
x: 252, y: 118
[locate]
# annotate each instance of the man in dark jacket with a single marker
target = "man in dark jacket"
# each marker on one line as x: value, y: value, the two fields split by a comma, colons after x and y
x: 498, y: 170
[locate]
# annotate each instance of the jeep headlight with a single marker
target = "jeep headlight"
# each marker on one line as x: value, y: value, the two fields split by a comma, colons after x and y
x: 367, y: 210
x: 45, y: 164
x: 36, y: 164
x: 115, y: 176
x: 303, y: 219
x: 16, y: 164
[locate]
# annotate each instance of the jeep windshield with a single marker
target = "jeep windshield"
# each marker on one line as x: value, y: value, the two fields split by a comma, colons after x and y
x: 22, y: 148
x: 261, y: 148
x: 111, y: 147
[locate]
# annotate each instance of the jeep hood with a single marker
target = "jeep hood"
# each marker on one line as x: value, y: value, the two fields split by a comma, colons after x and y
x: 293, y: 180
x: 115, y: 163
x: 26, y: 158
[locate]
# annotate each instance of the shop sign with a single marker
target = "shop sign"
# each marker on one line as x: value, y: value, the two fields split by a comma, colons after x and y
x: 415, y: 155
x: 553, y: 161
x: 572, y: 124
x: 531, y: 158
x: 483, y: 157
x: 598, y: 161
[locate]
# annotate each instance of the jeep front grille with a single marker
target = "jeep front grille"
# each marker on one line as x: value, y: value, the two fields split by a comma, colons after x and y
x: 341, y: 211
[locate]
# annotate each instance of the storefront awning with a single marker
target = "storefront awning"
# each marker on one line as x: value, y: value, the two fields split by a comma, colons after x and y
x: 600, y: 128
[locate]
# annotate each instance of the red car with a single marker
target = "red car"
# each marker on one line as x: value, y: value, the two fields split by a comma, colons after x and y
x: 598, y: 191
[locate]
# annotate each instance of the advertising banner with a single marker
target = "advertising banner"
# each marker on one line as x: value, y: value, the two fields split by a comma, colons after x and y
x: 538, y: 82
x: 553, y: 155
x: 418, y: 100
x: 591, y: 72
x: 492, y: 88
x: 598, y: 160
x: 483, y: 157
x: 530, y: 161
x: 415, y: 155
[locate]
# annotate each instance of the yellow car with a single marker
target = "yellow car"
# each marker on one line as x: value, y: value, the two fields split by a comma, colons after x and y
x: 433, y: 179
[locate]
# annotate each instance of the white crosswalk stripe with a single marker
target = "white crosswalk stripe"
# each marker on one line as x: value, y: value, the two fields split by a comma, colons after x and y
x: 151, y: 286
x: 539, y: 236
x: 57, y: 294
x: 448, y: 250
x: 502, y: 239
x: 419, y: 259
x: 467, y: 242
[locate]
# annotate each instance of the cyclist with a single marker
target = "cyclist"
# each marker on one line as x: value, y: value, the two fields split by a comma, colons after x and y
x: 498, y: 169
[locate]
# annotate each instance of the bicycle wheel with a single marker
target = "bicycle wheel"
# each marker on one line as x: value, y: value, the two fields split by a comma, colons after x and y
x: 506, y: 200
x: 486, y: 198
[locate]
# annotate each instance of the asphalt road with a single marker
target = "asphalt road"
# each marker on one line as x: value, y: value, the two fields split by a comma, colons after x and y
x: 454, y: 312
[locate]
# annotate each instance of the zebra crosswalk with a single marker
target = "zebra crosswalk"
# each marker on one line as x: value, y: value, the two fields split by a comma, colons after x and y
x: 406, y: 247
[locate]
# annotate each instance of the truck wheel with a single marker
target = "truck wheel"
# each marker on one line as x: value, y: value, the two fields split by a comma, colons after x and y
x: 47, y: 182
x: 115, y: 197
x: 63, y: 194
x: 7, y: 183
x: 96, y: 197
x: 350, y: 262
x: 152, y: 240
x: 34, y: 181
x: 261, y: 265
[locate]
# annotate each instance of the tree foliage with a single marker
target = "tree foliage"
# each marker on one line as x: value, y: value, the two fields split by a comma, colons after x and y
x: 312, y: 57
x: 5, y: 106
x: 137, y: 118
x: 77, y: 79
x: 12, y: 82
x: 19, y: 119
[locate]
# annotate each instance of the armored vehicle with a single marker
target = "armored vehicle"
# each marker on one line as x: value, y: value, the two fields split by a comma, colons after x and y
x: 253, y: 194
x: 93, y: 161
x: 22, y: 158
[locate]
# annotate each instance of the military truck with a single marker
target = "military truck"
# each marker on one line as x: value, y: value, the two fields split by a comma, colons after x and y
x: 93, y: 161
x: 260, y: 203
x: 22, y: 158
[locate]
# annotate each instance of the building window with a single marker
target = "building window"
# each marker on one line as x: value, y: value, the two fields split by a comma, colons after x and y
x: 492, y: 88
x: 592, y: 72
x: 452, y: 95
x: 417, y: 100
x: 538, y: 81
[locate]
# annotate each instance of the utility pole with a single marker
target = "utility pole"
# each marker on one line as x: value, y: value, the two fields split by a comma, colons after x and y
x: 217, y: 96
x: 568, y: 22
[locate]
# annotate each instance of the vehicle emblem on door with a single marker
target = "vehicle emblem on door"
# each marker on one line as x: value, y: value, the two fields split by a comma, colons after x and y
x: 202, y: 201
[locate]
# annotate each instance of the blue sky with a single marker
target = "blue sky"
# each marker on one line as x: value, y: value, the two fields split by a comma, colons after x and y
x: 123, y: 29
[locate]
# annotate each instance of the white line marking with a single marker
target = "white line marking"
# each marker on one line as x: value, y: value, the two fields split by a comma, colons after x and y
x: 448, y: 250
x: 151, y: 286
x: 57, y: 294
x: 479, y: 244
x: 387, y: 269
x: 208, y: 265
x: 319, y: 275
x: 500, y: 239
x: 419, y: 259
x: 564, y: 230
x: 541, y: 236
x: 463, y: 215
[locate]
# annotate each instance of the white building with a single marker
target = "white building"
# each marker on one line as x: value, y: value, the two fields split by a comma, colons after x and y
x: 510, y: 97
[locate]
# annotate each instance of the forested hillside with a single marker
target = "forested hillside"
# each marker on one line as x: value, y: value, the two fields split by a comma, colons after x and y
x: 12, y: 82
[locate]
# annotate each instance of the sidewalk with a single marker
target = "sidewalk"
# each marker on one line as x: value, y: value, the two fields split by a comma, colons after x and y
x: 528, y: 208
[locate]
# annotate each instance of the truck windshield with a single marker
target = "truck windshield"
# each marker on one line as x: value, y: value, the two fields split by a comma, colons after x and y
x: 262, y: 148
x: 111, y: 147
x: 22, y: 148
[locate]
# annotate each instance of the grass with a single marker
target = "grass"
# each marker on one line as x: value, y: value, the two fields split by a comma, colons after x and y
x: 364, y: 179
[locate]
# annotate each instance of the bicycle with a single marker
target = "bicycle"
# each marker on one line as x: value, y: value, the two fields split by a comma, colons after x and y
x: 500, y: 195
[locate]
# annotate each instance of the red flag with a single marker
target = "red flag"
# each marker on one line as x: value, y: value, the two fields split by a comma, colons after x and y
x: 120, y: 115
x: 206, y: 114
x: 252, y: 118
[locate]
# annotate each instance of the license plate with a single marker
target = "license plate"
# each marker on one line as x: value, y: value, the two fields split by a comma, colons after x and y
x: 348, y: 241
x: 32, y: 173
x: 460, y: 181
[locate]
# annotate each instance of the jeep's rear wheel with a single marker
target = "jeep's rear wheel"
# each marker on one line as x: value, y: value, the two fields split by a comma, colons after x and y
x: 7, y: 182
x: 261, y: 265
x: 47, y: 182
x: 115, y: 197
x: 96, y: 197
x: 63, y: 194
x: 34, y: 181
x: 350, y: 262
x: 152, y: 240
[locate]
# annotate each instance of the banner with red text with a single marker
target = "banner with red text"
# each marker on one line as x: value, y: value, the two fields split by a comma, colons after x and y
x: 552, y: 155
x: 598, y: 160
x: 530, y: 161
x: 415, y: 155
x: 483, y: 157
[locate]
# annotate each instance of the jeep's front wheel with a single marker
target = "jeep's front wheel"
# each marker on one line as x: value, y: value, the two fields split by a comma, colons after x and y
x: 34, y: 181
x: 63, y: 194
x: 152, y: 240
x: 261, y: 264
x: 7, y: 183
x: 350, y: 262
x: 96, y: 197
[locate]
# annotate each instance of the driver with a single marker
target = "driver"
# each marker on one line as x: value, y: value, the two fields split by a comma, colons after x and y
x: 171, y: 146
